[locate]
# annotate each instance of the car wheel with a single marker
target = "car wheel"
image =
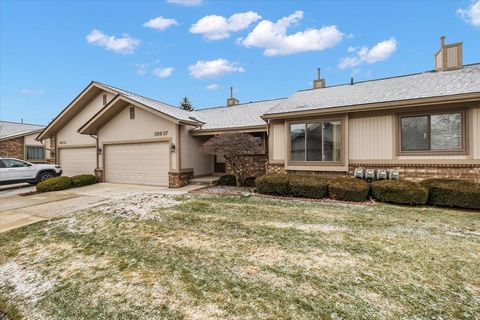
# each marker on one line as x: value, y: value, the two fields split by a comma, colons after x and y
x: 44, y: 176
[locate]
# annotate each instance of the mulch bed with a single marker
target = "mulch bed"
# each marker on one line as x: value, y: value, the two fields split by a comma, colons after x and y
x: 234, y: 191
x: 26, y: 194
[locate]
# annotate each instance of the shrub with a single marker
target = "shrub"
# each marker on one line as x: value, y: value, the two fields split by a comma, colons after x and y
x: 308, y: 187
x: 250, y: 182
x: 227, y: 180
x: 83, y: 180
x: 274, y: 184
x: 453, y: 193
x: 348, y: 189
x: 54, y: 184
x: 399, y: 191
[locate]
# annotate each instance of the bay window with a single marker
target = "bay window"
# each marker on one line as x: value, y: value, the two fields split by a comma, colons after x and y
x: 432, y: 133
x: 316, y: 141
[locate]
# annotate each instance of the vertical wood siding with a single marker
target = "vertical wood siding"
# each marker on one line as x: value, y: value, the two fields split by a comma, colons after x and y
x: 279, y: 143
x: 371, y: 138
x: 475, y: 143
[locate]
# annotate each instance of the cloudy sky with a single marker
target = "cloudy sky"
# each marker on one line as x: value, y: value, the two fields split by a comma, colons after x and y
x: 49, y: 51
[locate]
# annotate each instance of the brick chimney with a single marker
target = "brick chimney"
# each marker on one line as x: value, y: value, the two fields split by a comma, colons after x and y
x: 449, y: 56
x: 318, y: 83
x: 232, y: 101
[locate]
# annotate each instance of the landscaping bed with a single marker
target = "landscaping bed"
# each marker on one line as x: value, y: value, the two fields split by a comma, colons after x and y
x: 237, y: 257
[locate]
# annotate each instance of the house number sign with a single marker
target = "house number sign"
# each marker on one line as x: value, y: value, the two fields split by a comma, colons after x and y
x: 161, y: 133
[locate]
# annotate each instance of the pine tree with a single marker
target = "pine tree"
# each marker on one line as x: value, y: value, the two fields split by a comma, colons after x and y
x: 186, y: 105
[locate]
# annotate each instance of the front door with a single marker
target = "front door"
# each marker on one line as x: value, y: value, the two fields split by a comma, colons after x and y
x: 219, y: 164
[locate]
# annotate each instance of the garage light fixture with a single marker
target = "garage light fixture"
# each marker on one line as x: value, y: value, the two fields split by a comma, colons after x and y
x: 172, y: 148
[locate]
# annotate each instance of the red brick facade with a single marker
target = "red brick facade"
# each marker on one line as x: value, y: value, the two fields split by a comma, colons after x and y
x: 256, y: 167
x: 14, y: 148
x: 414, y: 172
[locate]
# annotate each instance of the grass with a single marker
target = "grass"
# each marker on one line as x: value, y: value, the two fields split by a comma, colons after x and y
x: 236, y: 257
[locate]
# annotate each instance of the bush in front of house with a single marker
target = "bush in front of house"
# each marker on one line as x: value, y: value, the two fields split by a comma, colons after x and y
x: 399, y: 191
x: 83, y: 180
x: 273, y: 184
x: 453, y: 193
x: 250, y: 182
x: 55, y: 184
x: 348, y: 189
x: 308, y: 187
x: 227, y: 180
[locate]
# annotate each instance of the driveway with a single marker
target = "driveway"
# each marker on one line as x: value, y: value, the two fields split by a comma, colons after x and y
x: 17, y: 211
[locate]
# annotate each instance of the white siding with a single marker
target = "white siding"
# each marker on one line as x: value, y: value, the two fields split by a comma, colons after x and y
x: 371, y: 138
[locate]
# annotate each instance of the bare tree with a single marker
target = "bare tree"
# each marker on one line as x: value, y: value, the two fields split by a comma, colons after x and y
x: 235, y: 148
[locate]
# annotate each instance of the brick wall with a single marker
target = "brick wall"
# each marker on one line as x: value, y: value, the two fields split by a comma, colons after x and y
x: 256, y: 165
x: 14, y: 148
x: 53, y: 150
x: 414, y: 172
x: 179, y: 179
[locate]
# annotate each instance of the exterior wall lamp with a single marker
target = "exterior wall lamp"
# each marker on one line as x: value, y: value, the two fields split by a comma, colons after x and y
x: 172, y: 148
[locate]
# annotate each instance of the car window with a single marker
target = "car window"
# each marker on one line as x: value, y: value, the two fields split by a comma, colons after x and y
x: 2, y: 164
x: 12, y: 163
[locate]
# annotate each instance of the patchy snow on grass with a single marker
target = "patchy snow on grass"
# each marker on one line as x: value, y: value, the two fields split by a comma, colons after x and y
x: 27, y: 285
x: 140, y: 206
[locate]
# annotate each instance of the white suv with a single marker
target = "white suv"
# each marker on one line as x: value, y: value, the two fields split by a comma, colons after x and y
x: 15, y: 170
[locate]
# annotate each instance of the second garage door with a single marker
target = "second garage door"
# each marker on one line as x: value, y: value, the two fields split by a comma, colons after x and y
x: 137, y: 163
x: 76, y: 161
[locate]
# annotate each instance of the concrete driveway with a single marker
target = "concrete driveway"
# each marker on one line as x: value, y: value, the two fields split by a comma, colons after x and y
x: 17, y: 211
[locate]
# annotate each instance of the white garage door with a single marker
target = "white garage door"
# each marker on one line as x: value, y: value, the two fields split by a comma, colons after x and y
x: 137, y: 163
x: 76, y: 161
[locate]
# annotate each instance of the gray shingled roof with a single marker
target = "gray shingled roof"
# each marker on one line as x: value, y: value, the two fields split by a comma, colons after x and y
x: 415, y: 86
x: 12, y: 129
x: 242, y: 115
x: 165, y: 108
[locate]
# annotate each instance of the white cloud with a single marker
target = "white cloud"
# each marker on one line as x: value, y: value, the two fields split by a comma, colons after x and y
x: 213, y: 86
x: 124, y: 45
x: 31, y: 92
x: 215, y: 27
x: 213, y: 68
x: 274, y: 39
x: 187, y: 3
x: 381, y: 51
x: 471, y: 14
x: 160, y: 23
x: 142, y: 69
x: 163, y: 72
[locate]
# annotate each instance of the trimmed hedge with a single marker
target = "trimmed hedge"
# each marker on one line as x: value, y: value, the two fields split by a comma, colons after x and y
x: 453, y: 193
x: 308, y: 187
x: 227, y: 180
x: 348, y: 189
x: 399, y: 191
x: 54, y: 184
x: 83, y: 180
x: 274, y: 184
x: 250, y: 182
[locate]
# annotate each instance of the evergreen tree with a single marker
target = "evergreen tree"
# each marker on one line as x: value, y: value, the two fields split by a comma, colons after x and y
x: 186, y: 105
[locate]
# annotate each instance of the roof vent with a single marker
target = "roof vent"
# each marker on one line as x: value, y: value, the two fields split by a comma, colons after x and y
x: 351, y: 81
x: 232, y: 101
x: 449, y: 56
x: 319, y: 83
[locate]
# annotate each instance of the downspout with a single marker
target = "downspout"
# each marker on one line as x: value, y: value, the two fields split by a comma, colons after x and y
x: 96, y: 150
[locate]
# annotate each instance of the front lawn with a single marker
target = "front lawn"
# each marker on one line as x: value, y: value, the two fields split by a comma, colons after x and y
x: 239, y: 258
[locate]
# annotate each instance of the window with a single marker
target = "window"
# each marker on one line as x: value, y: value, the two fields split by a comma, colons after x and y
x: 132, y: 113
x: 2, y: 164
x: 35, y: 153
x: 104, y: 99
x: 12, y: 163
x: 316, y: 141
x: 432, y: 132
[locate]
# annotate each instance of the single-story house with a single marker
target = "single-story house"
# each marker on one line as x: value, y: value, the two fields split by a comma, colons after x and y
x: 423, y: 125
x: 18, y: 140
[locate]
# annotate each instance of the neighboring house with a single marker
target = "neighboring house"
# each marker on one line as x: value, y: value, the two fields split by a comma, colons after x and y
x: 18, y: 140
x: 424, y: 125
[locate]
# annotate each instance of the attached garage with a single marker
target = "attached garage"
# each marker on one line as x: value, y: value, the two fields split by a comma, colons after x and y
x: 137, y: 163
x: 76, y: 161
